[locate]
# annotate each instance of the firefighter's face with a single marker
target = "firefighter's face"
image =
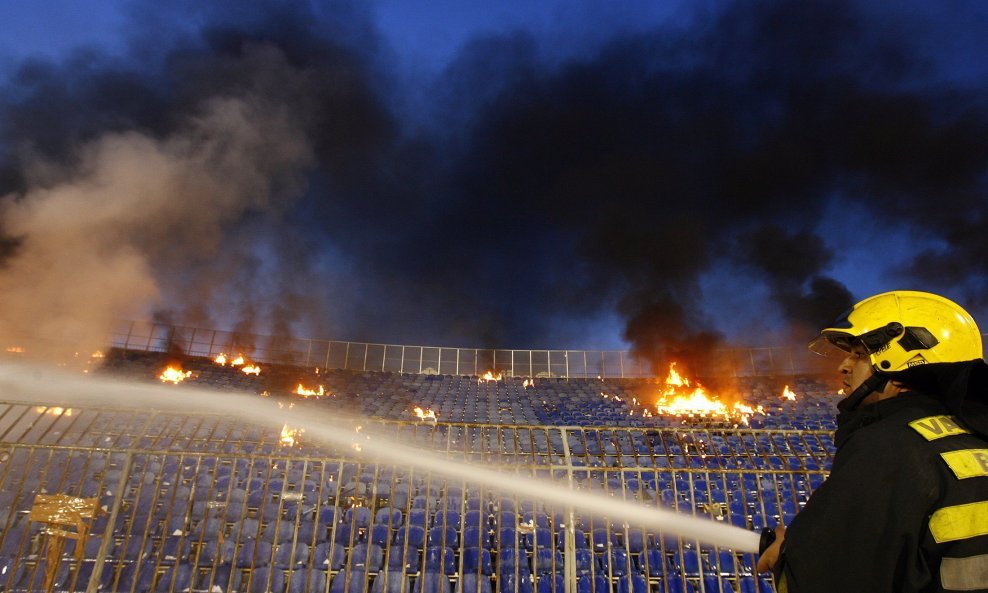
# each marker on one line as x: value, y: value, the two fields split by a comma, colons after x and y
x: 856, y: 367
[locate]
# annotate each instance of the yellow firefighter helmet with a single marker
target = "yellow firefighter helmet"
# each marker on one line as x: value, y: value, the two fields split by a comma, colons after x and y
x: 904, y: 328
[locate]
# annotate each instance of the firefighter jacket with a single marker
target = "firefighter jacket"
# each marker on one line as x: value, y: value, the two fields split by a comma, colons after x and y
x: 905, y: 508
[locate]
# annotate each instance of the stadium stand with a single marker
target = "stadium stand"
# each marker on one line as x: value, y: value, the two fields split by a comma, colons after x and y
x: 208, y: 503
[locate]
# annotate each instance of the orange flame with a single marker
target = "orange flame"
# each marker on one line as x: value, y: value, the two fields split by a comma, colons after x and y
x: 239, y: 360
x: 220, y: 359
x: 426, y: 415
x: 840, y: 391
x: 788, y: 394
x: 490, y: 376
x: 15, y: 350
x: 290, y: 435
x: 174, y: 375
x: 55, y: 411
x: 675, y: 379
x: 528, y: 383
x: 681, y: 399
x: 251, y: 370
x: 302, y: 390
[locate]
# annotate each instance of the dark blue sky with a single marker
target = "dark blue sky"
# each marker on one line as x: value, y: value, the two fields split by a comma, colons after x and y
x: 511, y: 174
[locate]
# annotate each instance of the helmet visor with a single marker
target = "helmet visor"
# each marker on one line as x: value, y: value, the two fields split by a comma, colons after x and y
x: 833, y: 344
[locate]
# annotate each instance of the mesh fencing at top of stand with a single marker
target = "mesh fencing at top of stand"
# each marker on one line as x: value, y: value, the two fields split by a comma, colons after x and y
x: 362, y: 356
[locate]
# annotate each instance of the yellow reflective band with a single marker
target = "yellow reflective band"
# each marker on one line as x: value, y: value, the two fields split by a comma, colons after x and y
x: 782, y: 585
x: 964, y: 574
x: 967, y: 463
x: 937, y: 427
x: 959, y: 522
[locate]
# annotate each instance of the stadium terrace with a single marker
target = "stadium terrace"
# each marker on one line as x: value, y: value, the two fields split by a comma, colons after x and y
x: 207, y: 502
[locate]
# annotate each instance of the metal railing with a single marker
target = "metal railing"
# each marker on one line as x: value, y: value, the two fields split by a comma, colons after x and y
x: 398, y: 358
x: 183, y: 489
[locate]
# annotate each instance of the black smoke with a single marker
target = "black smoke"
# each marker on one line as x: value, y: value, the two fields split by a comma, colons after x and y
x: 517, y: 195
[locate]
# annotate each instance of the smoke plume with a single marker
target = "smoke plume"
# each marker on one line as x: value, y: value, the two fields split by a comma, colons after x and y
x: 274, y: 172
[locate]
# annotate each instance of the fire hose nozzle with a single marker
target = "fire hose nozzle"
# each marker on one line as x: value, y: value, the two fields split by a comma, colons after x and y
x: 767, y: 539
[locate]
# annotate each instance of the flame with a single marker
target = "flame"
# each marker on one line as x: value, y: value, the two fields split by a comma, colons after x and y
x: 840, y: 391
x: 289, y: 435
x: 675, y: 379
x: 249, y: 368
x: 426, y: 415
x: 97, y: 354
x: 175, y: 375
x: 490, y: 376
x: 528, y: 383
x: 788, y: 394
x: 302, y: 390
x: 55, y: 411
x: 681, y: 399
x: 15, y: 350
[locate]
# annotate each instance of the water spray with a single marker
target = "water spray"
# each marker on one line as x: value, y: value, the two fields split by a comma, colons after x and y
x: 39, y: 384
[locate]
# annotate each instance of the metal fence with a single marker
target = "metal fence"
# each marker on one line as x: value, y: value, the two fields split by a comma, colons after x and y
x: 187, y: 497
x: 363, y: 356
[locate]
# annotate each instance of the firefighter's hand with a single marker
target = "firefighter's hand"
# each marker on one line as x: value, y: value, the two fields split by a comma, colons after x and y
x: 771, y: 555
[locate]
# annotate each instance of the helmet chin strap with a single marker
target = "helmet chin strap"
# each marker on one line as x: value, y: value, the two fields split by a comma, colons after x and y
x: 872, y: 384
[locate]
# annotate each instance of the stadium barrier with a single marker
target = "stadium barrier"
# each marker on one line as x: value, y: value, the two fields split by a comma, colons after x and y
x: 363, y: 356
x: 205, y: 502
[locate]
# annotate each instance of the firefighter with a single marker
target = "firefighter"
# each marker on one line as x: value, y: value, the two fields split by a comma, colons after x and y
x: 905, y: 507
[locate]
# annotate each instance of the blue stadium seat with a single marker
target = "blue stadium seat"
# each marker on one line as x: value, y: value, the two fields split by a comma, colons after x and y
x: 388, y: 516
x: 543, y: 561
x: 712, y: 584
x: 477, y: 559
x: 437, y: 558
x: 379, y: 535
x: 431, y: 583
x: 304, y: 581
x: 391, y: 581
x: 691, y: 562
x: 328, y: 556
x: 359, y: 516
x: 633, y: 583
x: 585, y: 561
x: 542, y: 536
x: 176, y: 578
x: 367, y: 557
x: 174, y: 548
x: 512, y: 583
x: 443, y: 536
x: 402, y: 558
x: 475, y: 537
x: 342, y: 533
x: 726, y: 563
x: 598, y: 584
x: 348, y: 581
x: 448, y: 518
x: 618, y: 563
x: 285, y: 557
x: 471, y: 583
x: 417, y: 517
x: 656, y: 562
x: 547, y: 583
x: 412, y: 535
x: 219, y: 578
x: 677, y: 585
x: 254, y: 553
x: 212, y: 551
